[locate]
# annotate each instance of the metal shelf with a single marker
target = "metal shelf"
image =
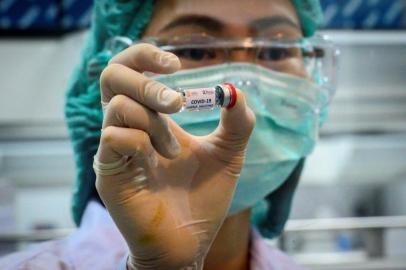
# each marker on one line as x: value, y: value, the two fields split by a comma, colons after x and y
x: 356, y: 37
x: 33, y: 236
x: 334, y: 224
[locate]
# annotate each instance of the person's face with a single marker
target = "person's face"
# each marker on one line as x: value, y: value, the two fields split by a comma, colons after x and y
x: 230, y: 19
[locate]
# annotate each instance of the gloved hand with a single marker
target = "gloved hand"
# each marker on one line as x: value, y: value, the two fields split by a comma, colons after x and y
x: 167, y: 191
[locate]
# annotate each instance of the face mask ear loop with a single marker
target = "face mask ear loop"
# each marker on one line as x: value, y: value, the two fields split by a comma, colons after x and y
x: 307, y: 52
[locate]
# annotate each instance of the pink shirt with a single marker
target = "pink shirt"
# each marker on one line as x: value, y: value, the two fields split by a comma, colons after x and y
x: 97, y: 244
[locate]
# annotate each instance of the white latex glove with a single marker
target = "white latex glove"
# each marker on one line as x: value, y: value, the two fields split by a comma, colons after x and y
x: 167, y: 190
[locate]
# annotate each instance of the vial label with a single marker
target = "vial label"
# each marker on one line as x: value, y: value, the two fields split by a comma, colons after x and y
x: 200, y: 99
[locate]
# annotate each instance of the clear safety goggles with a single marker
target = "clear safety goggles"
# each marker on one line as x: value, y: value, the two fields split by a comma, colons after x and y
x: 313, y: 58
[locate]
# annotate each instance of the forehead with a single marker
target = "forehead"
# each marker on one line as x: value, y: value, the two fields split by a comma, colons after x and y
x: 231, y: 13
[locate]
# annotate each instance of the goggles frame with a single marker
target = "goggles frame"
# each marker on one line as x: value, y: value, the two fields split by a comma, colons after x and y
x: 319, y: 54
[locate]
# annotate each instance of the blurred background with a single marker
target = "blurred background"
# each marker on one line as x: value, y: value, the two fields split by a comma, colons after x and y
x: 350, y: 209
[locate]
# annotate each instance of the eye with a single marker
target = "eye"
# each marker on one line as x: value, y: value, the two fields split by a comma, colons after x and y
x: 196, y: 54
x: 274, y: 54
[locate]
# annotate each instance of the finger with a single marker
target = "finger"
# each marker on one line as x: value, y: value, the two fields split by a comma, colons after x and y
x: 124, y: 112
x: 146, y: 57
x: 116, y: 142
x: 117, y: 79
x: 236, y: 124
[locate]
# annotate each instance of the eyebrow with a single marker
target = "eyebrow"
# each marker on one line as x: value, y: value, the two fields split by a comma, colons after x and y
x: 270, y: 22
x: 216, y: 25
x: 197, y: 20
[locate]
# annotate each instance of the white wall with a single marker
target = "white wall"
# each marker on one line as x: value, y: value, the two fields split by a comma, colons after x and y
x: 33, y: 75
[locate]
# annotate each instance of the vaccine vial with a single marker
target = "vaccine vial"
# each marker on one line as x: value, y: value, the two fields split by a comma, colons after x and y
x: 198, y: 99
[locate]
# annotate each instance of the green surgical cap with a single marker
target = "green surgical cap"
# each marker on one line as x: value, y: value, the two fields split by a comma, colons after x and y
x: 310, y: 15
x: 83, y: 112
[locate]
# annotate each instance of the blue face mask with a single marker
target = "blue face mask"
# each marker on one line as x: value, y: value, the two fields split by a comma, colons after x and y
x: 287, y: 109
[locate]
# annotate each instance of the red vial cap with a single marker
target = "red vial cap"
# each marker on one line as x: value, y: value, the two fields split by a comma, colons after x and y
x: 233, y: 98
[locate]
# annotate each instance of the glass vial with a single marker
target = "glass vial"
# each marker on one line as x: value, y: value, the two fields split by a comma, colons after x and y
x: 207, y: 98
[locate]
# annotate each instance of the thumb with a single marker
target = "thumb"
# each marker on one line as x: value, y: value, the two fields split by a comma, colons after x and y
x: 236, y: 124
